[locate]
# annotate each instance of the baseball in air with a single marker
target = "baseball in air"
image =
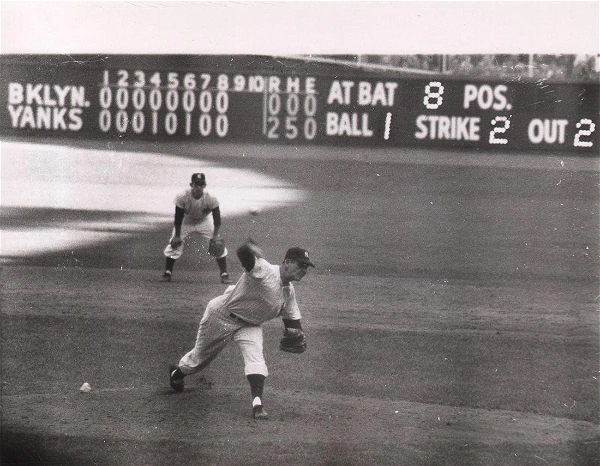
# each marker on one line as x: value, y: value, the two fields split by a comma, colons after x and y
x: 254, y: 211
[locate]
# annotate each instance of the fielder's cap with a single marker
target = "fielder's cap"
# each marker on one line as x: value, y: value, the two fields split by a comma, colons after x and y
x: 198, y: 178
x: 299, y: 255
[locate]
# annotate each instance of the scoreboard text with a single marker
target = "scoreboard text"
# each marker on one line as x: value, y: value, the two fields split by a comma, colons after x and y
x: 254, y: 107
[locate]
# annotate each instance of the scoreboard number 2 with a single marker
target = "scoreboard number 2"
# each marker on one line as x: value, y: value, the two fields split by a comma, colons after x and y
x: 586, y: 127
x: 496, y: 121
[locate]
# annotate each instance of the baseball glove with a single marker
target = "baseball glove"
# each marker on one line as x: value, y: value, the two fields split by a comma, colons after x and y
x: 216, y: 247
x: 293, y: 341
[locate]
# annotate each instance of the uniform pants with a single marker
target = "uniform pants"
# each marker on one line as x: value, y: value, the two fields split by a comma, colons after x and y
x: 216, y: 329
x: 205, y: 228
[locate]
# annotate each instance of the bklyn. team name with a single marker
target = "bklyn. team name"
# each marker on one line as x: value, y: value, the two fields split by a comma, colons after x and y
x: 46, y: 106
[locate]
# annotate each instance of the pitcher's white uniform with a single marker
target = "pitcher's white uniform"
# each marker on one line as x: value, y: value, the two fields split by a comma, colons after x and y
x: 197, y: 218
x: 258, y: 296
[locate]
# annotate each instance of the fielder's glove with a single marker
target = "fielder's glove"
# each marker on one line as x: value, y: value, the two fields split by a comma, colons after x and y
x: 216, y: 247
x: 293, y: 341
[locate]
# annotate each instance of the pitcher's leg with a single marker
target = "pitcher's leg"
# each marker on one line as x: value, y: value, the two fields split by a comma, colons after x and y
x: 214, y: 332
x: 213, y: 335
x: 250, y: 342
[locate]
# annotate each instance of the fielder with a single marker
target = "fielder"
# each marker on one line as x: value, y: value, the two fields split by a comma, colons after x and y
x: 192, y: 209
x: 263, y: 292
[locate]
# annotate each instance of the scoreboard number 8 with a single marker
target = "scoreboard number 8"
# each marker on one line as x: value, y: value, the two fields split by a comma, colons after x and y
x: 433, y: 98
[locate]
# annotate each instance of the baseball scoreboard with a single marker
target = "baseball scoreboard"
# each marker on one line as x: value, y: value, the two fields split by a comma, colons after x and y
x: 343, y: 108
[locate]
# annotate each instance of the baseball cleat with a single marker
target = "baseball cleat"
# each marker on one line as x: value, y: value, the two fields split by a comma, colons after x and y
x: 225, y: 279
x: 166, y: 276
x: 176, y: 378
x: 258, y: 412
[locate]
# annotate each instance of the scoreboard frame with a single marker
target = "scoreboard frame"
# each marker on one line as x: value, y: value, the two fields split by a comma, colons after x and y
x: 208, y: 98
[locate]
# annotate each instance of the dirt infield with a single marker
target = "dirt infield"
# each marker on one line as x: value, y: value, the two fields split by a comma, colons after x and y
x: 452, y: 319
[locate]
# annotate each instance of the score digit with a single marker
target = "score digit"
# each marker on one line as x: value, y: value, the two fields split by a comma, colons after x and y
x: 437, y: 95
x: 388, y: 122
x: 499, y: 130
x: 591, y: 127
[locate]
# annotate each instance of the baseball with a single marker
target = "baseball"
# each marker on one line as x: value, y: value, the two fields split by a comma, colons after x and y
x: 254, y: 211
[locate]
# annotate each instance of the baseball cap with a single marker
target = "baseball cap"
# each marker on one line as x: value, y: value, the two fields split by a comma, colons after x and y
x: 299, y: 255
x: 198, y: 178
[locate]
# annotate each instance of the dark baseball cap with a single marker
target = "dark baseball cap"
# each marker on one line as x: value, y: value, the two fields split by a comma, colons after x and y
x: 299, y: 255
x: 198, y: 178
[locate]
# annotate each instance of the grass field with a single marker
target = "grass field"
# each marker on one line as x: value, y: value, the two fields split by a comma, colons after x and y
x: 452, y: 318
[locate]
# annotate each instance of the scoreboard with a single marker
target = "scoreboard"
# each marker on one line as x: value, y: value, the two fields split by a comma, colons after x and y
x: 342, y: 108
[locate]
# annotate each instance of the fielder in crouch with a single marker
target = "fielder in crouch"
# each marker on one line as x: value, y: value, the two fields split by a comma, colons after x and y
x: 263, y: 292
x: 192, y: 209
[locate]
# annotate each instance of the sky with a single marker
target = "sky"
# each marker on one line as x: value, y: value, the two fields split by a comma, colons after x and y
x: 287, y: 28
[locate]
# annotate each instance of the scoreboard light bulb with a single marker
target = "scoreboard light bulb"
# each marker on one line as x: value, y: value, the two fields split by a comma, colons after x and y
x: 388, y: 122
x: 433, y: 95
x: 591, y: 127
x: 499, y: 130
